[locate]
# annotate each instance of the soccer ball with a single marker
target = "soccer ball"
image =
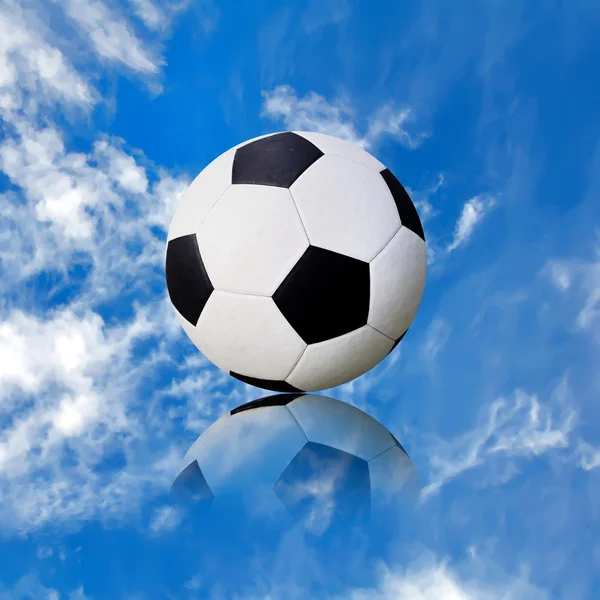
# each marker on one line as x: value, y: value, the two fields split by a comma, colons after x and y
x: 296, y: 261
x: 297, y: 455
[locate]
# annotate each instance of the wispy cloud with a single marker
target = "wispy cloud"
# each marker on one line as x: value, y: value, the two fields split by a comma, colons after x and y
x: 424, y: 577
x: 512, y: 428
x: 588, y: 456
x: 78, y: 594
x: 436, y: 337
x: 73, y: 200
x: 194, y: 583
x: 314, y: 112
x: 32, y: 71
x: 422, y: 198
x: 320, y: 491
x: 30, y: 586
x: 321, y: 13
x: 560, y: 274
x: 473, y: 211
x: 431, y: 579
x: 389, y: 120
x: 67, y: 391
x: 165, y: 519
x: 158, y: 16
x: 70, y: 377
x: 111, y: 36
x: 69, y: 350
x: 581, y: 278
x: 44, y: 552
x: 150, y: 14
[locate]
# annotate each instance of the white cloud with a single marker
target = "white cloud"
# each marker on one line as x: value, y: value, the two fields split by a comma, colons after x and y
x: 165, y: 519
x: 44, y: 552
x: 65, y: 349
x: 166, y: 192
x: 422, y: 199
x: 194, y: 583
x: 69, y: 388
x: 588, y: 456
x: 159, y: 16
x: 424, y: 578
x: 70, y: 496
x: 582, y: 279
x: 74, y: 202
x: 472, y: 213
x: 389, y: 120
x: 314, y: 112
x: 111, y: 36
x: 512, y: 428
x: 71, y: 365
x: 122, y: 168
x: 436, y: 337
x: 78, y: 594
x: 70, y: 380
x: 30, y: 587
x: 203, y: 383
x: 434, y: 580
x: 31, y: 70
x: 62, y: 185
x: 206, y: 12
x: 150, y: 14
x: 560, y: 274
x: 91, y: 224
x: 321, y: 13
x: 319, y: 490
x: 311, y: 113
x: 56, y: 422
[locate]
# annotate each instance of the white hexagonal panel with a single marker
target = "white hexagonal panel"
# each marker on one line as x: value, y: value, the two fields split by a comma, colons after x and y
x: 194, y: 335
x: 250, y: 448
x: 345, y: 207
x: 392, y: 474
x: 251, y: 239
x: 335, y: 146
x: 397, y: 283
x: 249, y: 335
x: 341, y: 426
x: 338, y: 360
x: 202, y: 194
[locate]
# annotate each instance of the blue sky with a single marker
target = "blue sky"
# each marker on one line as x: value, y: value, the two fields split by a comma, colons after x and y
x: 487, y: 111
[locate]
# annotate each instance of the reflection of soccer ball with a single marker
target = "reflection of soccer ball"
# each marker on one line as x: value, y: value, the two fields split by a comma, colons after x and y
x: 312, y: 455
x: 296, y: 261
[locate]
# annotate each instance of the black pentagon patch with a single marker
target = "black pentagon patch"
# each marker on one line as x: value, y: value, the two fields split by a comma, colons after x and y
x: 266, y: 384
x: 346, y: 478
x: 191, y: 486
x: 277, y: 160
x: 187, y: 280
x: 398, y: 341
x: 406, y: 209
x: 325, y: 295
x: 277, y: 400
